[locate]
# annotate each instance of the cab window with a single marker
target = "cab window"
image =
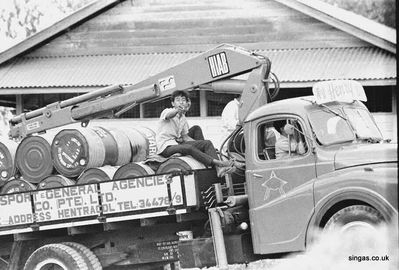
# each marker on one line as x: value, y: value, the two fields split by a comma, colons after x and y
x: 281, y: 139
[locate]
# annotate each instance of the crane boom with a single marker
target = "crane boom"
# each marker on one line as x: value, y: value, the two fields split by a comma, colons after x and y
x: 212, y: 70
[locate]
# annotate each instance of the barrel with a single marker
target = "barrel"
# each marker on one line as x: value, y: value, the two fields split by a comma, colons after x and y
x: 74, y: 150
x: 123, y: 147
x: 34, y: 157
x: 140, y: 139
x: 150, y: 137
x: 8, y: 149
x: 17, y: 185
x: 110, y: 145
x: 184, y: 163
x: 94, y: 175
x: 54, y: 181
x: 133, y: 169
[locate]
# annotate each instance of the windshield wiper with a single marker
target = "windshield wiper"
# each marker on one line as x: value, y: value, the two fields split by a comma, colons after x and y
x: 370, y: 139
x: 334, y: 112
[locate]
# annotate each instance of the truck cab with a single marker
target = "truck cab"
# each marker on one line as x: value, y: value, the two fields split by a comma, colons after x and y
x: 342, y: 162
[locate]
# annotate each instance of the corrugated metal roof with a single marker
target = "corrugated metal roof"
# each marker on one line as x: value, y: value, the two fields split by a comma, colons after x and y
x: 299, y: 65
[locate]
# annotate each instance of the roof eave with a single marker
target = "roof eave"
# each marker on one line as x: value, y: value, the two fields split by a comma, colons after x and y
x: 370, y: 31
x: 56, y: 28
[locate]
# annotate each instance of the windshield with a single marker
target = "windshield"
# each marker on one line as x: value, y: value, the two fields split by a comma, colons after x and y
x: 330, y: 128
x: 337, y: 126
x: 363, y: 124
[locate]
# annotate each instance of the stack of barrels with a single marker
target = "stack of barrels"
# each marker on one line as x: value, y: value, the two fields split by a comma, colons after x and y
x: 75, y: 156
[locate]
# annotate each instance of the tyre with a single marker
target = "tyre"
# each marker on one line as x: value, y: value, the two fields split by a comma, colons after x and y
x: 354, y: 217
x: 57, y: 256
x: 90, y: 258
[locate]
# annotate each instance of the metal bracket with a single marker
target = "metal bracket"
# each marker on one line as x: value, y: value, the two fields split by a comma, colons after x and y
x: 102, y: 219
x: 171, y: 210
x: 35, y: 227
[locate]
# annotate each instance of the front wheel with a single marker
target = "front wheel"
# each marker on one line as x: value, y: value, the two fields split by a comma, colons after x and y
x: 354, y: 217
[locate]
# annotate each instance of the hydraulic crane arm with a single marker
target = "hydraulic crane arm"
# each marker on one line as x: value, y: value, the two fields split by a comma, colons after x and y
x: 211, y: 70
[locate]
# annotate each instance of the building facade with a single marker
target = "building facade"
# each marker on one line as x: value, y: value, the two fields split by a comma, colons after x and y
x: 123, y: 42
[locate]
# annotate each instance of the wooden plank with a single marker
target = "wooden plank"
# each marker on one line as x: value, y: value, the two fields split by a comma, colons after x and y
x: 89, y: 43
x: 54, y: 29
x: 176, y: 48
x: 224, y: 28
x: 200, y: 14
x: 116, y: 34
x: 126, y: 25
x: 241, y: 33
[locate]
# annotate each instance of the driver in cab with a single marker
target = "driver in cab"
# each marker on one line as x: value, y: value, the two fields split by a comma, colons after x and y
x: 287, y: 145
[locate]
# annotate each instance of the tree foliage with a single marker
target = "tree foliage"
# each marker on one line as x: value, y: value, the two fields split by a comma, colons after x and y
x: 23, y: 18
x: 382, y: 11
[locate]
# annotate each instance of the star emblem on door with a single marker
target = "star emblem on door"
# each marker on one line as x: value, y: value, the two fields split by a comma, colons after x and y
x: 274, y: 183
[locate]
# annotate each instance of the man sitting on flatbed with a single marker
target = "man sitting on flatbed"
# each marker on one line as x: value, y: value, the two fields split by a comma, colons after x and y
x: 172, y: 137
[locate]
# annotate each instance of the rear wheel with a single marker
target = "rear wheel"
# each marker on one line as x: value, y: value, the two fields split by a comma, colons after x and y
x: 55, y: 256
x: 90, y: 258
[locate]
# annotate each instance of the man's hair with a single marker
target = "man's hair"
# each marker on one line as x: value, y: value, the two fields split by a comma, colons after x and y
x: 178, y: 93
x: 279, y: 124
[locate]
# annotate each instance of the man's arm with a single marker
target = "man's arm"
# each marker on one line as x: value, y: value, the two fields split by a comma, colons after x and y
x: 283, y: 145
x: 169, y: 113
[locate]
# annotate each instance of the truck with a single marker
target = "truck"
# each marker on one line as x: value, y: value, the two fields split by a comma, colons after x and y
x: 344, y: 177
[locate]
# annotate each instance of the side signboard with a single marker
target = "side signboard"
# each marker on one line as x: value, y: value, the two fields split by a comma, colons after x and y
x: 90, y: 201
x: 127, y: 195
x: 16, y: 209
x: 67, y: 202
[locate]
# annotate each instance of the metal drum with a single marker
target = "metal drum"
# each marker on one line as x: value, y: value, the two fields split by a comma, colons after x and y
x: 17, y: 185
x: 34, y: 158
x: 110, y: 145
x: 133, y: 169
x: 74, y: 150
x: 54, y: 181
x: 139, y: 142
x: 123, y: 147
x: 150, y: 137
x: 184, y: 163
x: 8, y: 149
x: 95, y: 175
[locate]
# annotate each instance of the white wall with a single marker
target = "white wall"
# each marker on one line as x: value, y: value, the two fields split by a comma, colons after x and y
x: 387, y: 122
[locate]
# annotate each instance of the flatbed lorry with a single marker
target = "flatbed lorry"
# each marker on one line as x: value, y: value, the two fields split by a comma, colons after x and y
x: 344, y: 177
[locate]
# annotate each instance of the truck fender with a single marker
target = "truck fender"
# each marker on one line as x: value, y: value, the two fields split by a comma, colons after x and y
x: 350, y: 194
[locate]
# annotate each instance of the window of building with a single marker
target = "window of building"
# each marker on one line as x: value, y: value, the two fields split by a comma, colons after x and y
x: 195, y: 104
x: 293, y: 92
x: 33, y: 102
x: 7, y: 100
x: 132, y: 113
x: 217, y: 101
x: 379, y: 98
x: 154, y: 109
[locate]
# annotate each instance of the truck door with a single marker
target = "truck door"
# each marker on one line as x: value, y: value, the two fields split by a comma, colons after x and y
x: 280, y: 184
